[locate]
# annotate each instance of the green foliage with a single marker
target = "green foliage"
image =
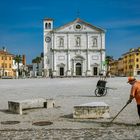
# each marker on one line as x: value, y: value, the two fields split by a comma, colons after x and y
x: 18, y: 59
x: 108, y: 59
x: 36, y: 60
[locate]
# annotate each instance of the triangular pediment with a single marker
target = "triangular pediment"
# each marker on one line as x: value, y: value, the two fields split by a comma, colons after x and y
x: 78, y: 25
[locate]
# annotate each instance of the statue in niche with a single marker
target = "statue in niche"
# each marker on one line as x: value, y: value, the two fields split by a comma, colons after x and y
x: 94, y: 42
x: 61, y: 42
x: 78, y: 41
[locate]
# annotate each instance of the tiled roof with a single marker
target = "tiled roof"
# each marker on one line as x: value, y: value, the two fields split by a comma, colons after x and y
x: 48, y: 19
x: 5, y: 52
x: 133, y: 50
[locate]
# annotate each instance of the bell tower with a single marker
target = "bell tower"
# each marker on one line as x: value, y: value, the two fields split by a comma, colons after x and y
x: 47, y: 27
x: 48, y: 24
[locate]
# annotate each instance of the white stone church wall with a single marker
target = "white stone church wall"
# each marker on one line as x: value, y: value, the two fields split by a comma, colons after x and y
x: 61, y: 61
x: 69, y: 34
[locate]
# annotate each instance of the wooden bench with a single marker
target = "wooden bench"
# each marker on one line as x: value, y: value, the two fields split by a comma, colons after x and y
x: 18, y: 106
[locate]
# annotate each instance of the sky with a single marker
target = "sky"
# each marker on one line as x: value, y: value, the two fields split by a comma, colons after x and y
x: 21, y: 23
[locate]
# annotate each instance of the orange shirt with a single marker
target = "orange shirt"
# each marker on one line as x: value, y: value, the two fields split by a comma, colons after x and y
x: 135, y: 91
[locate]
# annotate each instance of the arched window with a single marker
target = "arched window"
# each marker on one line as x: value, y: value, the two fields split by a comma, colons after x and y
x: 49, y: 26
x: 46, y: 26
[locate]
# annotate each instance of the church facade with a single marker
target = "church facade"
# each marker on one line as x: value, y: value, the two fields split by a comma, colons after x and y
x: 74, y: 49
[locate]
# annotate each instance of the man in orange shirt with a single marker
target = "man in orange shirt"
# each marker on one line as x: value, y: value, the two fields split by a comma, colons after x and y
x: 135, y: 93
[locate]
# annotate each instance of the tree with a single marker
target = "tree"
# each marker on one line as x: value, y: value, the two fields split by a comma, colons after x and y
x: 37, y: 60
x: 18, y: 59
x: 108, y: 59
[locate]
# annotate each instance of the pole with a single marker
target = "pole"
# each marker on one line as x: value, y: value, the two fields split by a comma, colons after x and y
x: 118, y: 113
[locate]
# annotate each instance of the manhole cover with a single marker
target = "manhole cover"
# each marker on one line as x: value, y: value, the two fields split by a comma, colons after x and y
x: 42, y: 123
x: 10, y: 122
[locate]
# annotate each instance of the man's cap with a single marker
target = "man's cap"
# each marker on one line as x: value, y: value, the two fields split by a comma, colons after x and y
x: 131, y: 79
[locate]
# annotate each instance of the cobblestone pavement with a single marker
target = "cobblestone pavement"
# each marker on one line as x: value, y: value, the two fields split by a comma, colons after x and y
x: 129, y: 133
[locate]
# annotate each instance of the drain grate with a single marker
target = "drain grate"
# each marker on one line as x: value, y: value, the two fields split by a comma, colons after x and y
x: 42, y: 123
x: 10, y: 122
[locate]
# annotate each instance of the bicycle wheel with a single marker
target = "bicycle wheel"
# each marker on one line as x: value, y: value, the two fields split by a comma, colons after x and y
x: 105, y: 92
x: 99, y: 92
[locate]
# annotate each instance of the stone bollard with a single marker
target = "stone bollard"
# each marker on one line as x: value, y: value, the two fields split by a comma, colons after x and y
x: 49, y: 103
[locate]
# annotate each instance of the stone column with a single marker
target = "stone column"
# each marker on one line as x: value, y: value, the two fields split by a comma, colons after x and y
x: 74, y: 70
x: 68, y: 64
x: 88, y: 73
x: 88, y: 61
x: 54, y: 59
x: 68, y: 58
x: 101, y: 62
x: 54, y: 64
x: 83, y: 72
x: 88, y: 57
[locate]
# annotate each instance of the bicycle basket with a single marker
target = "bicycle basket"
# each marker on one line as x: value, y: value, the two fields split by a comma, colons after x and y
x: 101, y: 83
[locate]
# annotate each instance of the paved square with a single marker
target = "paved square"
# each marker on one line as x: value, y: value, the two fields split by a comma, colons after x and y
x: 67, y: 93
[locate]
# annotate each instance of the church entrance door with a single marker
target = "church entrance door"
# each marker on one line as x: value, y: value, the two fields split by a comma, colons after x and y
x: 95, y: 71
x: 78, y: 69
x: 61, y: 71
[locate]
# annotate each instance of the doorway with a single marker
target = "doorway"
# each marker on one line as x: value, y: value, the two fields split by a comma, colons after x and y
x: 95, y: 71
x: 78, y: 69
x: 61, y: 71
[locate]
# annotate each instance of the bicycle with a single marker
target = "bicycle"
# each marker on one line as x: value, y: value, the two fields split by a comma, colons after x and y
x: 101, y: 89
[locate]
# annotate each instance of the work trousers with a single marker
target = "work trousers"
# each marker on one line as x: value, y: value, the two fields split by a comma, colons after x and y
x: 138, y: 107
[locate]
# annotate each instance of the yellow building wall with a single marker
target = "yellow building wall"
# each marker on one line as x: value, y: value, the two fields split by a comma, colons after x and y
x: 128, y: 65
x: 6, y: 64
x: 131, y: 62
